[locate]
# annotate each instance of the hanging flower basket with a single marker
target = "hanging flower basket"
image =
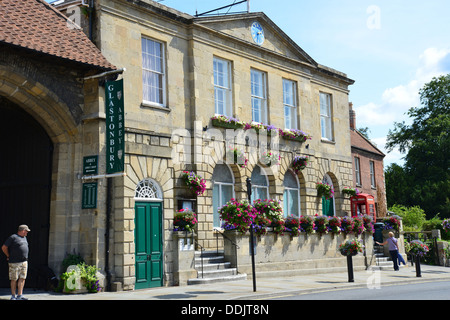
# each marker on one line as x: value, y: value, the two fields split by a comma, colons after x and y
x: 238, y: 157
x: 194, y: 182
x: 351, y: 248
x: 270, y: 209
x: 222, y: 121
x: 418, y: 248
x: 299, y: 163
x: 446, y: 225
x: 350, y: 191
x: 368, y: 224
x: 184, y: 220
x: 334, y: 225
x: 325, y: 190
x: 321, y: 225
x: 270, y: 158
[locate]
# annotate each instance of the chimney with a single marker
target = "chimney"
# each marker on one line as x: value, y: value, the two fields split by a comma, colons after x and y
x: 352, y: 115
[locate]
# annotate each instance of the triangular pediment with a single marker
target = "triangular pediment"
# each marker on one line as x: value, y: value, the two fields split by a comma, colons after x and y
x: 239, y: 26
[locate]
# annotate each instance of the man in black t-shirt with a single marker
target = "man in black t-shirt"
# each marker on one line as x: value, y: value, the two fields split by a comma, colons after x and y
x: 16, y: 251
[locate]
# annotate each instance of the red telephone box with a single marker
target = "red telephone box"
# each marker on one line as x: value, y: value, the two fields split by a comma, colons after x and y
x: 363, y: 204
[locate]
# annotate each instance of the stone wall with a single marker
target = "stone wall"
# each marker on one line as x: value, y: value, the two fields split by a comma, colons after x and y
x: 284, y: 255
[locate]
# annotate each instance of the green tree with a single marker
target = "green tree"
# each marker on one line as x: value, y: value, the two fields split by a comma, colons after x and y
x: 426, y: 143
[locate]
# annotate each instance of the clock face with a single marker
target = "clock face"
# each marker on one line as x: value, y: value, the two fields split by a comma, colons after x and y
x: 257, y: 33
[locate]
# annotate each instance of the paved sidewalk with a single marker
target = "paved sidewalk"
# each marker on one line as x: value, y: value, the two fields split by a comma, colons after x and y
x: 265, y: 287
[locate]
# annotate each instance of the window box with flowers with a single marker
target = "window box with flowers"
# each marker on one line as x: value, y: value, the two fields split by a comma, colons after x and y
x: 321, y: 225
x: 194, y: 182
x: 261, y: 128
x: 270, y: 209
x: 237, y: 215
x: 306, y: 224
x: 294, y: 134
x: 334, y: 225
x: 222, y: 121
x: 324, y: 190
x: 347, y: 225
x: 299, y: 163
x: 292, y: 226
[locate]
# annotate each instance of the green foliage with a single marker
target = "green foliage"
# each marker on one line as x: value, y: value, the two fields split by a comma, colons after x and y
x: 425, y: 179
x: 413, y: 217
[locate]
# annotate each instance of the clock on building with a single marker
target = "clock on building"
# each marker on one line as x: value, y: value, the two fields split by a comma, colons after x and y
x: 257, y: 33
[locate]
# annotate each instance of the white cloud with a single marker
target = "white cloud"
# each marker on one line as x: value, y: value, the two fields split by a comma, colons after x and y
x: 396, y: 101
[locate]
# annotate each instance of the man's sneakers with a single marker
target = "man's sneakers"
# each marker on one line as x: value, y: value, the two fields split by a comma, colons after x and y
x: 21, y: 297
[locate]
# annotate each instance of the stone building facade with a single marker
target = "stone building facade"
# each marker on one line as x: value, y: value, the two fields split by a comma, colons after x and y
x: 181, y: 71
x: 169, y: 127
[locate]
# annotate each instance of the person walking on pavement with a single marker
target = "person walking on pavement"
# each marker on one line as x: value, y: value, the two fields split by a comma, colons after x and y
x: 16, y: 250
x: 393, y: 249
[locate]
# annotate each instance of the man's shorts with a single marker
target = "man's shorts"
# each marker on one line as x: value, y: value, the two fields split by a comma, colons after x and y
x: 18, y: 270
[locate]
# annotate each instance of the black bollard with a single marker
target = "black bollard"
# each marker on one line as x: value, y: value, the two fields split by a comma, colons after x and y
x: 350, y: 269
x: 418, y: 273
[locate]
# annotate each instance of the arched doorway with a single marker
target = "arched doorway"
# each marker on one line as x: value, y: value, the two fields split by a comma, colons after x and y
x: 25, y: 185
x: 328, y: 205
x: 148, y: 235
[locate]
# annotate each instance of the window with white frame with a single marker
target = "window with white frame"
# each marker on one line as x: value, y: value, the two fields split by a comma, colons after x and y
x: 222, y: 87
x: 372, y: 174
x: 291, y: 195
x: 326, y: 116
x: 290, y: 104
x: 260, y: 184
x: 259, y: 96
x: 153, y: 72
x: 357, y: 172
x: 223, y: 190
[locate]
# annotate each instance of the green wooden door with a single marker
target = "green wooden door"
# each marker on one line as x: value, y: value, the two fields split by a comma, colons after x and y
x: 327, y: 207
x: 149, y: 245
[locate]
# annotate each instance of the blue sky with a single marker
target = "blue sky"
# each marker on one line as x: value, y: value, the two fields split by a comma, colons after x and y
x: 390, y: 48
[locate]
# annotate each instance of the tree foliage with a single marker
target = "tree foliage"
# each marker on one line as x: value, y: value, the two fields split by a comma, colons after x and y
x: 425, y: 179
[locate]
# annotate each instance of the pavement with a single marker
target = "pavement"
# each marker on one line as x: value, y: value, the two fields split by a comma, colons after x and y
x: 266, y: 288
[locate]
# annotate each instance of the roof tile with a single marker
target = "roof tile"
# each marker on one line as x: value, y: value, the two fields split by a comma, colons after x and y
x: 36, y: 25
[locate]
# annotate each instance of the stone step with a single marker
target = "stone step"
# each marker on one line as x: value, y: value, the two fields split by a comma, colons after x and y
x: 215, y: 268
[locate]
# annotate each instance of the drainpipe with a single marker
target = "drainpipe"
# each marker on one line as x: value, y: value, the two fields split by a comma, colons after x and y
x: 91, y: 12
x: 109, y: 196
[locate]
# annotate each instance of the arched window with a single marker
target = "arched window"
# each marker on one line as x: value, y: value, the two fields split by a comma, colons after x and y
x: 223, y: 190
x: 148, y: 190
x: 291, y: 195
x: 260, y: 184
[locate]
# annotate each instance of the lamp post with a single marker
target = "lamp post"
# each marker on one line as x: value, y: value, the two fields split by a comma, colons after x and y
x: 252, y: 242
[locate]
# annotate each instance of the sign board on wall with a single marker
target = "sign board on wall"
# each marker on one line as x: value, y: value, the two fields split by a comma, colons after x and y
x: 115, y: 126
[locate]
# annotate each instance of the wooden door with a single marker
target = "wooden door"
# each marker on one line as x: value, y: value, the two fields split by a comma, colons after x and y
x: 149, y: 245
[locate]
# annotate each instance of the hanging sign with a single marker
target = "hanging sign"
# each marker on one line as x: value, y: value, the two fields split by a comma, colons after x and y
x: 115, y: 126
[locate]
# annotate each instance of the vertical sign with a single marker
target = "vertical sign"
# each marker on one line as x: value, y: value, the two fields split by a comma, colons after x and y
x: 115, y: 129
x: 89, y: 196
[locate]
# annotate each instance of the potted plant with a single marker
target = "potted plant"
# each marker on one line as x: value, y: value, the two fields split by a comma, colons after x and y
x: 223, y: 121
x: 321, y: 225
x: 348, y: 225
x: 80, y: 279
x: 350, y: 191
x: 270, y: 209
x: 238, y: 157
x: 194, y: 182
x: 325, y: 190
x: 184, y: 220
x: 306, y: 224
x: 294, y: 134
x: 270, y: 158
x: 334, y: 225
x: 358, y: 225
x: 292, y: 225
x: 237, y: 215
x: 392, y: 222
x: 299, y: 163
x: 351, y: 247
